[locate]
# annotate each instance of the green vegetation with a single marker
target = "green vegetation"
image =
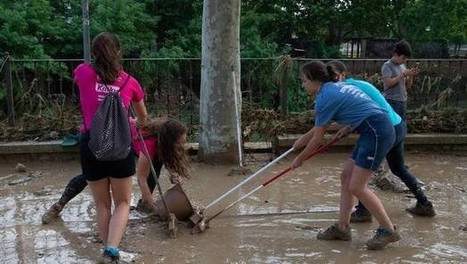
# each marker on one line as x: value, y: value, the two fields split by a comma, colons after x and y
x: 161, y: 28
x: 52, y: 29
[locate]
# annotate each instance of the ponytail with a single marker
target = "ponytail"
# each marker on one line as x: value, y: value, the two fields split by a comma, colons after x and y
x: 337, y: 67
x: 318, y: 71
x: 332, y: 74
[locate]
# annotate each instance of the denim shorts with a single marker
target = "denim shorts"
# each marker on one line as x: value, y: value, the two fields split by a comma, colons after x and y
x: 377, y: 137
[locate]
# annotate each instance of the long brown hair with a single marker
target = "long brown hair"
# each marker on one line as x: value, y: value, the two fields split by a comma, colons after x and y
x: 171, y: 150
x: 107, y: 56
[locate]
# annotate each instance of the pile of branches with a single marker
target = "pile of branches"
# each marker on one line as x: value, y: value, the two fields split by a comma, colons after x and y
x: 41, y: 127
x: 449, y: 120
x: 257, y: 124
x: 267, y: 123
x: 270, y: 124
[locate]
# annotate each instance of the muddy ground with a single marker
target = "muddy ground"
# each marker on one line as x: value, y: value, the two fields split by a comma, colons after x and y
x: 254, y: 231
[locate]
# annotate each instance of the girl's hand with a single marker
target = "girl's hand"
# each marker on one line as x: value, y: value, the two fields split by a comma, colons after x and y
x: 141, y: 123
x: 343, y: 132
x: 414, y: 71
x: 297, y: 162
x: 299, y: 143
x: 175, y: 179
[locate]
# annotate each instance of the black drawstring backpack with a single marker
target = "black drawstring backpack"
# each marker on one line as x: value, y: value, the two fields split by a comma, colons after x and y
x: 110, y: 135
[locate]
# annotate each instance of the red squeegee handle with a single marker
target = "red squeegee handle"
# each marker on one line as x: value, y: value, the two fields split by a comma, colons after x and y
x: 320, y: 149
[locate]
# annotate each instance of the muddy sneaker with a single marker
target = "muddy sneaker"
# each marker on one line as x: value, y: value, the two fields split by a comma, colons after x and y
x: 52, y: 213
x: 420, y: 209
x: 360, y: 216
x: 382, y: 237
x: 334, y: 233
x: 110, y: 255
x: 145, y: 207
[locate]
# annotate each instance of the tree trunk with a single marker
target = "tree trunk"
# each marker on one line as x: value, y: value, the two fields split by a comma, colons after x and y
x: 220, y: 57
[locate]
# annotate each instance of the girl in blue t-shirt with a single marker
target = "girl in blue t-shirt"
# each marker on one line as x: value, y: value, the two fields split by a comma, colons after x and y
x: 349, y: 106
x: 395, y: 156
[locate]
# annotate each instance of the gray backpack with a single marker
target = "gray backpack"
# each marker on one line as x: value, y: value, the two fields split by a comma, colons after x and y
x: 110, y: 135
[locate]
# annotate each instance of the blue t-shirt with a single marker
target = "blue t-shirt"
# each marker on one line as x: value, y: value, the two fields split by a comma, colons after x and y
x: 345, y: 104
x: 376, y: 96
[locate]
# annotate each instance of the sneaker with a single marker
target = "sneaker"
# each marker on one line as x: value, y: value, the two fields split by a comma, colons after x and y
x: 110, y: 255
x: 420, y: 209
x: 383, y: 237
x: 52, y: 213
x: 145, y: 207
x: 335, y: 233
x: 361, y: 216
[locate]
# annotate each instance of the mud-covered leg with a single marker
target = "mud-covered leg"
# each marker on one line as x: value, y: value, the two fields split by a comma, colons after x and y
x: 75, y: 186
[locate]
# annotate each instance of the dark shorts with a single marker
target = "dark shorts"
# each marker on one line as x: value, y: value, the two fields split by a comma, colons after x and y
x: 94, y: 169
x: 377, y: 137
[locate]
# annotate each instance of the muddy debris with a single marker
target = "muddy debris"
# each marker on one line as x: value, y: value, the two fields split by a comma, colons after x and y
x: 36, y: 174
x: 9, y: 176
x: 43, y: 192
x: 387, y: 181
x: 92, y: 237
x: 22, y: 177
x: 239, y: 171
x: 172, y: 226
x: 459, y: 188
x: 20, y: 180
x: 54, y: 135
x: 20, y: 167
x: 200, y: 227
x: 196, y: 217
x: 308, y: 227
x: 128, y: 257
x: 272, y: 123
x: 97, y: 240
x: 33, y: 126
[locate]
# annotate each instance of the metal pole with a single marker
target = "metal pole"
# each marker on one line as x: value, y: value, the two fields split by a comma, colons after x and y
x: 284, y: 82
x: 237, y: 119
x: 320, y: 149
x: 249, y: 178
x: 86, y: 38
x: 9, y: 90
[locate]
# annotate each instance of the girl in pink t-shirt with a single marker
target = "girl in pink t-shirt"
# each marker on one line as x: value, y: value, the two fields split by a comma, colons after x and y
x: 104, y: 176
x: 165, y: 139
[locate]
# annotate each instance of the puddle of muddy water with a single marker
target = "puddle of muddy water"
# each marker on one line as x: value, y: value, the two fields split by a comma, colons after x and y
x: 271, y: 228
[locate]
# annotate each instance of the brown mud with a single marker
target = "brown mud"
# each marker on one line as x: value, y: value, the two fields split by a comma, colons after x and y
x: 264, y: 228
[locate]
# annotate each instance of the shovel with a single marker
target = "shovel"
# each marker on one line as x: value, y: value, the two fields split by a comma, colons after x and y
x: 172, y: 220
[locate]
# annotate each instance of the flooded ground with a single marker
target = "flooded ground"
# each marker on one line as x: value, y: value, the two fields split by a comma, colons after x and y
x: 256, y: 230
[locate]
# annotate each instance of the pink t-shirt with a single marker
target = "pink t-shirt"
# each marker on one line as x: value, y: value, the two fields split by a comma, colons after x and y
x: 151, y: 141
x: 151, y: 144
x: 92, y: 92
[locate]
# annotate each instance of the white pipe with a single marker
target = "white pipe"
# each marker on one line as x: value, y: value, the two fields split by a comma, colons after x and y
x: 237, y: 117
x: 241, y: 198
x: 250, y: 177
